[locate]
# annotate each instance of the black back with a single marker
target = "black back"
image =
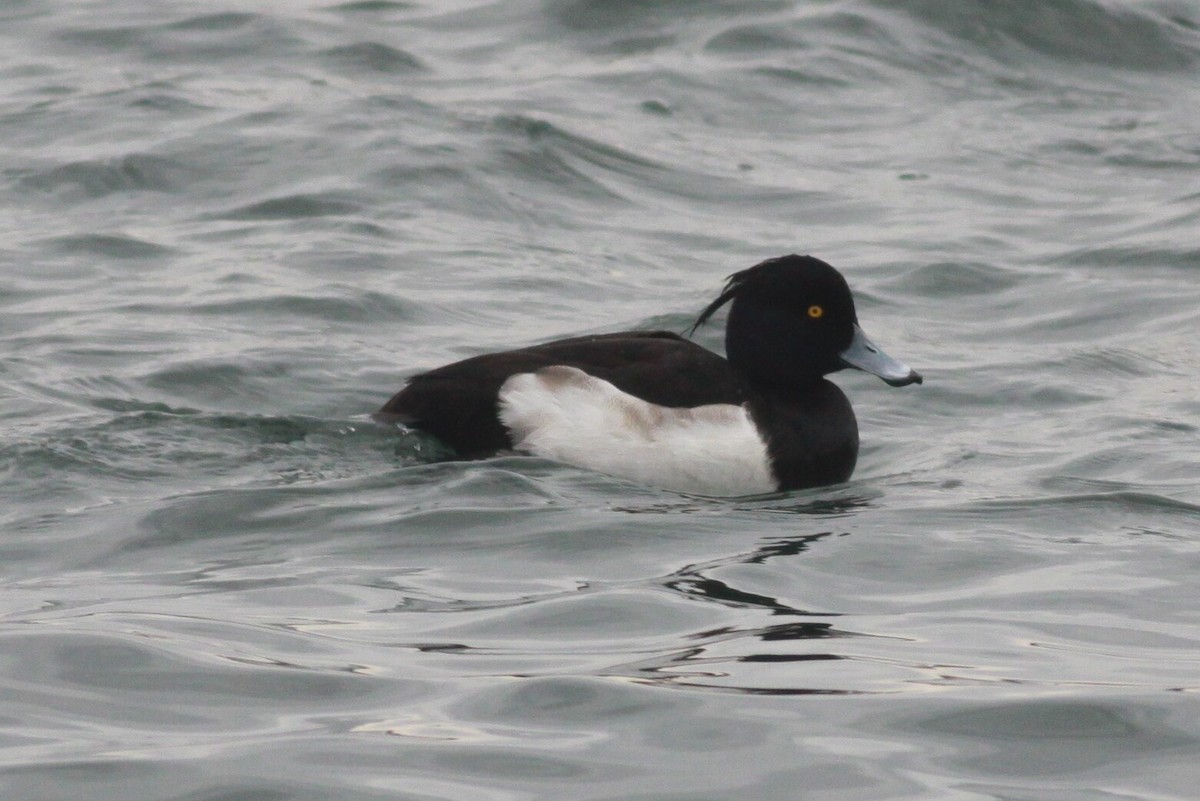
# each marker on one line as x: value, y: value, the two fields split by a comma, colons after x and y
x: 457, y: 403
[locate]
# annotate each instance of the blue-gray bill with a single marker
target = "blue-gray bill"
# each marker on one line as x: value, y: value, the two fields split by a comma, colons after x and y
x: 865, y: 355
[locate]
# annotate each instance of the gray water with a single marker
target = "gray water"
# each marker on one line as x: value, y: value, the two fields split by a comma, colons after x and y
x: 230, y: 231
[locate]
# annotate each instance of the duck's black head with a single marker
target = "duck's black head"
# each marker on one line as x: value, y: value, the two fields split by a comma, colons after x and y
x: 792, y: 321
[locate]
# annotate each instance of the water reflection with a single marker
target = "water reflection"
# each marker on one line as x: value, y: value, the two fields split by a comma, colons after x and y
x: 711, y: 667
x: 775, y: 503
x: 749, y: 659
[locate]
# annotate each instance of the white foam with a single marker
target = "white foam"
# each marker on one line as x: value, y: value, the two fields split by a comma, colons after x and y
x: 563, y: 413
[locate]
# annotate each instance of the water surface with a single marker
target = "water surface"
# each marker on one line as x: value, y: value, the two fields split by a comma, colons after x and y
x: 232, y: 232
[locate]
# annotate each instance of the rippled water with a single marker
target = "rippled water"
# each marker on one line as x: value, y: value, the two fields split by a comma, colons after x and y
x: 232, y: 231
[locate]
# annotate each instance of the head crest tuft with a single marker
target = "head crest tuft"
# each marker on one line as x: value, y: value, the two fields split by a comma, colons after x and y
x: 737, y: 282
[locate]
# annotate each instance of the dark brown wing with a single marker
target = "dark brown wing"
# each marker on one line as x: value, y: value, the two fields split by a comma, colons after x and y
x: 457, y: 403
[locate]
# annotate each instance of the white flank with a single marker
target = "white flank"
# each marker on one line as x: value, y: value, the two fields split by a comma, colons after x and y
x: 563, y: 413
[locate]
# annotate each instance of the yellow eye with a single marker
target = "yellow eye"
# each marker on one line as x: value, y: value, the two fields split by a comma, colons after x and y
x: 815, y: 312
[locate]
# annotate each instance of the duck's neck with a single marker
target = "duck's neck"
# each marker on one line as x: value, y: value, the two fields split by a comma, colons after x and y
x: 811, y: 434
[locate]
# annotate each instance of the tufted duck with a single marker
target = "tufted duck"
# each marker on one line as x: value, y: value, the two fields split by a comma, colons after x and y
x: 659, y: 409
